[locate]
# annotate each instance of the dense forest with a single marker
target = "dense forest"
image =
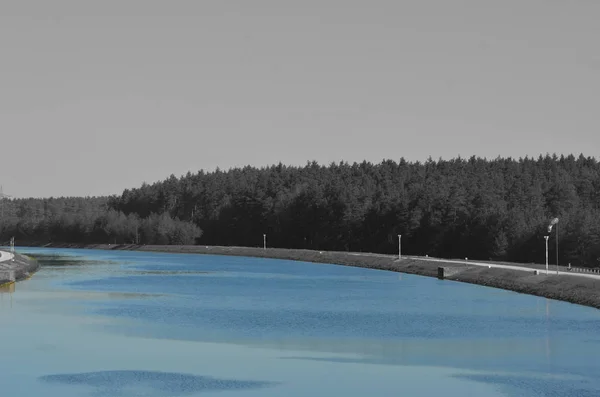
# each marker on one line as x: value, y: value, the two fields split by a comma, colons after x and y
x: 88, y: 220
x: 474, y: 208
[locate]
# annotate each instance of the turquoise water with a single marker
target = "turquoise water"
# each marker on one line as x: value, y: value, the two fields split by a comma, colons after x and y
x: 166, y: 325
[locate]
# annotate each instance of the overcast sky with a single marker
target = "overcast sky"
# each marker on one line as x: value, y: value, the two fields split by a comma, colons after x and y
x: 98, y: 96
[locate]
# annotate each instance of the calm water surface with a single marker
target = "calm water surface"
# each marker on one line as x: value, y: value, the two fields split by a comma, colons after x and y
x: 121, y: 324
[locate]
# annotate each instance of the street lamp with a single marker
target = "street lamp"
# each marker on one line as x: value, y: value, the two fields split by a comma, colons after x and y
x: 546, y: 238
x: 399, y: 246
x: 552, y: 223
x: 557, y: 246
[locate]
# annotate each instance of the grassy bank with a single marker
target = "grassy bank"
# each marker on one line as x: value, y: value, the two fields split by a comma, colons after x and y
x: 574, y: 289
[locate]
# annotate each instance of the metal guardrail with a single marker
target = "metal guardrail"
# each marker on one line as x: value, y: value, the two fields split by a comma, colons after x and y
x: 585, y: 270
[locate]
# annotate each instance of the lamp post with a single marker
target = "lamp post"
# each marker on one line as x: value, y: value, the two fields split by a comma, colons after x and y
x: 557, y: 246
x: 552, y: 223
x: 264, y: 241
x: 546, y: 238
x: 399, y: 246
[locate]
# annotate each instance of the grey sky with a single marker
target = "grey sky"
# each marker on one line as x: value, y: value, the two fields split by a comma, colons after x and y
x: 97, y: 96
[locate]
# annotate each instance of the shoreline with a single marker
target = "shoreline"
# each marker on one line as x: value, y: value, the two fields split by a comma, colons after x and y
x: 17, y: 268
x: 575, y: 289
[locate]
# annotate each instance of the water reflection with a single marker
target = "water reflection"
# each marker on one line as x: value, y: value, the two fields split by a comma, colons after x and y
x: 67, y: 261
x: 150, y: 383
x: 494, y: 354
x: 7, y: 289
x: 536, y: 385
x: 165, y: 272
x: 289, y: 322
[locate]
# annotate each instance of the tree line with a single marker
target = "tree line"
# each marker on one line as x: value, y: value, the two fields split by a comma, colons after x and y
x: 482, y: 209
x: 87, y: 221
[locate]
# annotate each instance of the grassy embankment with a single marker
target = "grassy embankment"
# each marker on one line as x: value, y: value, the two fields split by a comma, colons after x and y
x: 574, y: 289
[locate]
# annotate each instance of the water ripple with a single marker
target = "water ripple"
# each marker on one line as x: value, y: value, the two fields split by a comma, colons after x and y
x: 150, y: 383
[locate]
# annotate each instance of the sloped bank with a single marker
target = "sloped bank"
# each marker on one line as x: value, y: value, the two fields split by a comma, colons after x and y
x: 575, y: 289
x: 19, y: 268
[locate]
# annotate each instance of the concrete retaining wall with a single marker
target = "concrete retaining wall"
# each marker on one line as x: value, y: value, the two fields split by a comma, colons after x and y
x: 445, y: 272
x: 19, y: 268
x: 7, y: 276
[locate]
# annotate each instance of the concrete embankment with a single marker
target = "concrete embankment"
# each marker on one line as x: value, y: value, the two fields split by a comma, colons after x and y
x: 16, y: 267
x: 575, y: 288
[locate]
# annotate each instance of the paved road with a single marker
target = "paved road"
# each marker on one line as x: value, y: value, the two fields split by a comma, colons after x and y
x: 488, y: 265
x: 5, y: 262
x: 521, y: 268
x: 5, y: 256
